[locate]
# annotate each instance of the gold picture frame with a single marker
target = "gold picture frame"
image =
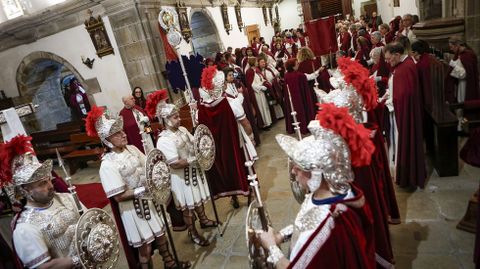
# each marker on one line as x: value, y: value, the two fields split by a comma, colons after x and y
x: 98, y: 34
x: 183, y: 21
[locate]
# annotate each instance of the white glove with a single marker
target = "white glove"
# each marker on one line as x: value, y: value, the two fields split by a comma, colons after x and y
x: 378, y: 78
x: 370, y: 62
x: 452, y: 63
x: 139, y: 192
x: 144, y: 119
x: 262, y: 88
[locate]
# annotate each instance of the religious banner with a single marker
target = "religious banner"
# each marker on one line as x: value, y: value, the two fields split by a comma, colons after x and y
x: 238, y: 14
x: 321, y: 34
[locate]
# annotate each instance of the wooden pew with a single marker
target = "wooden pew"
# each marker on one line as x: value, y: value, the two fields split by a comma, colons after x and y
x: 87, y: 149
x: 441, y: 125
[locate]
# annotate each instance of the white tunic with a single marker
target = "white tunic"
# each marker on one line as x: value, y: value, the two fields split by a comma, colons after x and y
x: 42, y: 234
x: 126, y: 171
x: 270, y: 77
x: 179, y: 145
x: 262, y: 102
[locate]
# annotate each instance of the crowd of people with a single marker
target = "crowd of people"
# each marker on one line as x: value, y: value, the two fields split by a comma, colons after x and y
x: 362, y: 108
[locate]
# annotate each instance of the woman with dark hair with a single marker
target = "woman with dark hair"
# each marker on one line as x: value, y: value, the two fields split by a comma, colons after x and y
x: 363, y: 51
x: 140, y: 100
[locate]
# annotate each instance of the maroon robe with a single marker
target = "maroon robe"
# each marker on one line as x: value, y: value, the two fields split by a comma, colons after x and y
x: 130, y: 127
x: 470, y: 63
x: 227, y: 176
x: 410, y: 159
x: 381, y: 112
x: 349, y: 244
x: 302, y: 100
x: 249, y: 76
x: 470, y: 152
x: 345, y: 40
x: 423, y: 67
x: 389, y: 37
x: 363, y: 55
x: 248, y: 108
x: 369, y: 180
x: 309, y: 66
x: 76, y: 106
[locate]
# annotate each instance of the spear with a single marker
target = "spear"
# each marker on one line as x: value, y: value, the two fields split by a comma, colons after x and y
x: 68, y: 180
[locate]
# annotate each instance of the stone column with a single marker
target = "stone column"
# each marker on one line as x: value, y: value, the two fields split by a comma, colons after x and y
x: 472, y: 21
x: 136, y: 32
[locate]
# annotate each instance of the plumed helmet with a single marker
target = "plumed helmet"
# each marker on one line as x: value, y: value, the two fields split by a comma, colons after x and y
x: 97, y: 124
x: 18, y: 164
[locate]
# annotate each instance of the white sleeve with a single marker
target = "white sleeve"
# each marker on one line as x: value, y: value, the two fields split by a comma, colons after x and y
x: 311, y: 76
x: 112, y: 181
x: 30, y: 245
x: 237, y: 108
x: 168, y: 148
x: 458, y: 70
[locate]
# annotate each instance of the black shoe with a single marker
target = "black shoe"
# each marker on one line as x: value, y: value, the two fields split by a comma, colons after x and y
x: 234, y: 202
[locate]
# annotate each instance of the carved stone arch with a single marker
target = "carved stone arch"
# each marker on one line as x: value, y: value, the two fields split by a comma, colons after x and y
x: 205, y: 40
x: 39, y: 79
x: 36, y: 57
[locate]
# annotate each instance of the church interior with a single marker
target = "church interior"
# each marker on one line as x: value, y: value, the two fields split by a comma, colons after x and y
x: 65, y: 58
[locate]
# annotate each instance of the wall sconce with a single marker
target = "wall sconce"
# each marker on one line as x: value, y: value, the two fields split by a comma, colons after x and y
x: 183, y: 20
x: 265, y: 16
x: 226, y: 21
x: 88, y: 62
x: 238, y: 14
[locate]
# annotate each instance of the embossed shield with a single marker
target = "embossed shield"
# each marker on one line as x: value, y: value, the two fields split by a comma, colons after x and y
x: 96, y: 239
x: 297, y: 190
x: 204, y: 146
x: 157, y: 171
x: 257, y: 256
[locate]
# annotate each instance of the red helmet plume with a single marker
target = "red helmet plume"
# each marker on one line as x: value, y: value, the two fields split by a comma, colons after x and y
x: 152, y: 101
x: 18, y: 145
x: 208, y: 74
x: 357, y: 75
x: 356, y: 135
x: 92, y: 117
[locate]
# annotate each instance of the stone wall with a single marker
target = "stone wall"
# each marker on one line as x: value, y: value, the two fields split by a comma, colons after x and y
x: 135, y: 28
x: 472, y: 25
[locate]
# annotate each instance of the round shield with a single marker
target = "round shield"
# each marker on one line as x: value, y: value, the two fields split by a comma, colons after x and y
x: 96, y: 239
x: 204, y: 146
x: 257, y: 256
x: 157, y: 172
x: 174, y: 37
x: 297, y: 190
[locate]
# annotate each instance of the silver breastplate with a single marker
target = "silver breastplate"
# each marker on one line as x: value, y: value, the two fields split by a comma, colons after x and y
x: 183, y: 143
x: 130, y: 168
x: 57, y: 224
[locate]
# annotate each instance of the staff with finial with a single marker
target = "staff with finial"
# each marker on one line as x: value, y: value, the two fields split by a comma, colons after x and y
x: 295, y: 123
x: 68, y: 180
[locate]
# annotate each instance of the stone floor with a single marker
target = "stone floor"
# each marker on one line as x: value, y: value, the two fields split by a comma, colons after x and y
x: 427, y: 237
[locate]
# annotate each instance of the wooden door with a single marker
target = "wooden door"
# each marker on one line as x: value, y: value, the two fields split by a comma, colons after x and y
x: 252, y: 31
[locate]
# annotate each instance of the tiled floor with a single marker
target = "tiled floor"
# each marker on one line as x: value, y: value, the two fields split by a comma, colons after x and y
x: 427, y: 237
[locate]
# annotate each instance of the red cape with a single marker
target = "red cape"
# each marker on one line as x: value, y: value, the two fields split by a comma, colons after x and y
x: 410, y: 159
x: 423, y: 67
x: 349, y: 244
x: 227, y: 176
x: 302, y: 101
x: 345, y: 40
x: 309, y: 66
x: 130, y: 127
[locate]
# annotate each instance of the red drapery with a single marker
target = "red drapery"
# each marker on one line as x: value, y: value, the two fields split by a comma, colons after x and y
x: 321, y: 34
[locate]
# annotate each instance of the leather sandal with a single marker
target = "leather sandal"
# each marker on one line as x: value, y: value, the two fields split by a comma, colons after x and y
x: 198, y: 239
x: 208, y: 224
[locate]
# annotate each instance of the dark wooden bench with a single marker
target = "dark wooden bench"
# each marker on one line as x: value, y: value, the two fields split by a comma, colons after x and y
x: 87, y: 149
x: 441, y: 125
x: 46, y: 142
